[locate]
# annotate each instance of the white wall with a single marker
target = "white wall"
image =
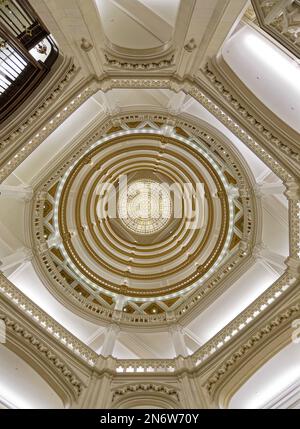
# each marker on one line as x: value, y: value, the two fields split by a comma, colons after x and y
x: 269, y: 72
x: 270, y: 380
x: 21, y: 386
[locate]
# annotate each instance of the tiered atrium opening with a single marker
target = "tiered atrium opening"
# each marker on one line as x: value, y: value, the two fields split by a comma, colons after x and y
x: 149, y: 204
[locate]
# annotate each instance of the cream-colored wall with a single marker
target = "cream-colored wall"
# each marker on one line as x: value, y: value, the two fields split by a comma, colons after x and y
x: 210, y: 383
x: 21, y: 386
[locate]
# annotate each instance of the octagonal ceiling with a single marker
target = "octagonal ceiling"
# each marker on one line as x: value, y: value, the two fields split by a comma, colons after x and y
x: 110, y: 252
x: 233, y: 170
x: 147, y: 267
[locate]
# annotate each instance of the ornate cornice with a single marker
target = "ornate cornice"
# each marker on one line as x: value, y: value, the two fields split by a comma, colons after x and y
x: 44, y: 321
x: 156, y: 367
x: 31, y: 144
x: 65, y: 76
x: 242, y: 352
x: 44, y: 351
x: 271, y: 147
x: 151, y: 65
x: 144, y: 388
x: 162, y: 366
x: 192, y: 89
x: 262, y: 153
x: 245, y: 318
x: 60, y: 334
x: 281, y: 21
x: 247, y: 114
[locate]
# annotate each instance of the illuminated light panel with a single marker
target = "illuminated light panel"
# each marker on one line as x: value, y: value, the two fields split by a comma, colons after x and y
x: 145, y: 207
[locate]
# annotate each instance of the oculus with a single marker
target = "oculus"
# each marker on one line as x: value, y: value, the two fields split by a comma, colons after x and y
x: 145, y: 206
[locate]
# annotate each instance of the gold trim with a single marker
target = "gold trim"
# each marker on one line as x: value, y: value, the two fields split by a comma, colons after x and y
x: 135, y: 291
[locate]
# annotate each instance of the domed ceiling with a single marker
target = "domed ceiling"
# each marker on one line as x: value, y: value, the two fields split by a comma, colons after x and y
x: 147, y: 212
x: 124, y: 256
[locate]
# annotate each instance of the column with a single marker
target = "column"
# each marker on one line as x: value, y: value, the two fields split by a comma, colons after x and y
x: 271, y: 260
x: 178, y: 340
x: 98, y: 391
x: 20, y: 256
x: 120, y: 302
x: 192, y: 393
x: 111, y: 335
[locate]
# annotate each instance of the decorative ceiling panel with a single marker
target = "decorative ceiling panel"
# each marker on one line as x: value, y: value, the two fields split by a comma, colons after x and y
x: 97, y: 260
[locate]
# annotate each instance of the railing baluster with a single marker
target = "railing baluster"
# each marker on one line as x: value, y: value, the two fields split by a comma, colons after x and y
x: 11, y: 58
x: 7, y: 22
x: 17, y: 19
x: 25, y: 16
x: 20, y: 69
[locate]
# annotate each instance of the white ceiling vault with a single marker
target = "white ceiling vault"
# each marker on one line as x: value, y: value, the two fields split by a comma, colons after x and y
x: 121, y: 39
x: 140, y: 24
x: 16, y: 376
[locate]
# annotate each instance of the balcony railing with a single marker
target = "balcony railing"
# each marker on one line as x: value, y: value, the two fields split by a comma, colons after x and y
x: 27, y: 53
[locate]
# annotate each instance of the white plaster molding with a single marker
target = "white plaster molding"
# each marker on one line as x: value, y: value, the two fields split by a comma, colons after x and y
x: 43, y: 351
x: 110, y: 338
x: 178, y: 340
x: 288, y: 399
x: 192, y: 129
x: 20, y: 192
x: 25, y: 305
x: 20, y: 256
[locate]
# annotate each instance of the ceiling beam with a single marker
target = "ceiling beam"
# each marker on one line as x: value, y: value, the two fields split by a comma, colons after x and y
x: 276, y: 209
x: 222, y: 22
x: 106, y: 102
x: 137, y: 346
x: 149, y: 20
x: 176, y: 103
x: 159, y: 96
x: 18, y: 257
x: 20, y: 192
x: 95, y: 341
x: 194, y: 337
x: 8, y: 240
x: 201, y: 29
